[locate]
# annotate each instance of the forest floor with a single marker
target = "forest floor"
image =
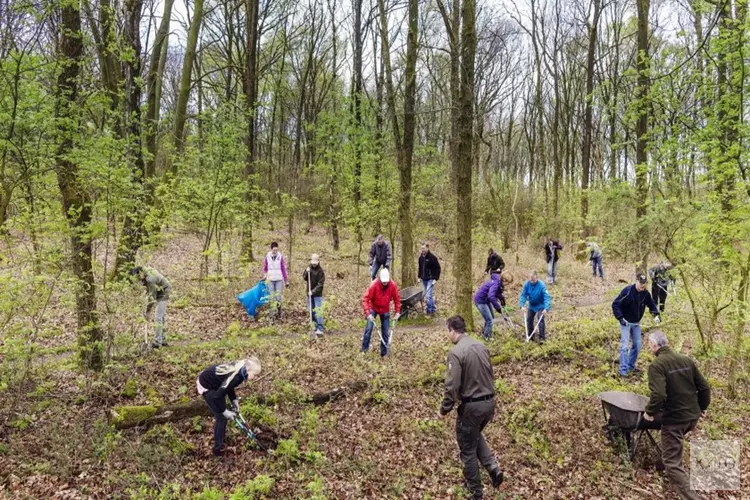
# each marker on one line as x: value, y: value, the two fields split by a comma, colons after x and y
x: 383, y: 441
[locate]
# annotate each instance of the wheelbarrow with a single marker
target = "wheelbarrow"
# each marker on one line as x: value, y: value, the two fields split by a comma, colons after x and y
x: 411, y: 298
x: 623, y: 416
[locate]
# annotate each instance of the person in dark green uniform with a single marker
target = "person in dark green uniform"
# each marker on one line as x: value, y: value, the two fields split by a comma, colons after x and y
x: 681, y: 395
x: 470, y: 383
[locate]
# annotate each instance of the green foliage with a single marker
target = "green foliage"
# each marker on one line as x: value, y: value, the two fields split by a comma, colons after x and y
x: 527, y: 430
x: 258, y: 413
x: 288, y: 451
x: 165, y: 436
x: 22, y: 423
x: 256, y: 488
x: 130, y: 389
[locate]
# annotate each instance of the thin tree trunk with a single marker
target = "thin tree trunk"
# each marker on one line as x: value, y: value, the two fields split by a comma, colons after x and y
x: 588, y: 118
x: 641, y: 159
x: 251, y: 88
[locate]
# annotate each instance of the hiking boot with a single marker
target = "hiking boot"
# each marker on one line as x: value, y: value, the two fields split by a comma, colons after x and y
x: 155, y: 345
x: 319, y: 334
x: 496, y: 475
x: 637, y: 372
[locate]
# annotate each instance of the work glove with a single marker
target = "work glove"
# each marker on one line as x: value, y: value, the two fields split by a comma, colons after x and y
x: 395, y: 318
x: 623, y: 322
x: 309, y: 293
x: 307, y: 270
x: 657, y: 319
x: 229, y: 415
x: 370, y: 318
x: 236, y: 404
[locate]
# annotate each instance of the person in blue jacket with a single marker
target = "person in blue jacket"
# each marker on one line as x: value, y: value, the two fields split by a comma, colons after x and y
x: 489, y: 296
x: 628, y: 309
x: 535, y: 293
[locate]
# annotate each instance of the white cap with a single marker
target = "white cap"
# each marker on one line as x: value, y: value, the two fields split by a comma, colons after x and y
x: 385, y: 276
x: 314, y: 259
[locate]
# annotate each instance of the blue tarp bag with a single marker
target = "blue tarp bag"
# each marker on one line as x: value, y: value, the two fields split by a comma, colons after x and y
x: 254, y: 298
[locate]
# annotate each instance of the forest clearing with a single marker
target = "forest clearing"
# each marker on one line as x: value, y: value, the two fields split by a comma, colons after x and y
x: 342, y: 249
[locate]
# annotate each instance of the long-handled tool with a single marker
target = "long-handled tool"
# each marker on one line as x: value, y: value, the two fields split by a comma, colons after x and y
x: 310, y: 304
x: 145, y: 346
x: 539, y: 322
x: 245, y: 427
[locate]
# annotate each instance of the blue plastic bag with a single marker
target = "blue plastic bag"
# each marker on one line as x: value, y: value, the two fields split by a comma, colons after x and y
x: 254, y: 298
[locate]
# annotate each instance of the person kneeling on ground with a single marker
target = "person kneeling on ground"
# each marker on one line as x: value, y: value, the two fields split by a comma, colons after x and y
x: 489, y: 296
x: 377, y: 301
x: 217, y: 384
x: 680, y: 393
x: 535, y: 293
x: 157, y: 292
x: 315, y: 278
x: 471, y: 384
x: 628, y: 309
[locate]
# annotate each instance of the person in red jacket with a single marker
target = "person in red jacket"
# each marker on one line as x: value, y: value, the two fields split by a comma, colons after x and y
x: 377, y: 301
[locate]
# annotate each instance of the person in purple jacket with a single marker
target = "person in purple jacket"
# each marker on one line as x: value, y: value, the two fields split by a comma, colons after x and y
x: 490, y: 296
x: 274, y: 272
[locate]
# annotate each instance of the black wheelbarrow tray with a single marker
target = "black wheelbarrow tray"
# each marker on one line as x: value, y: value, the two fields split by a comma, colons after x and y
x: 623, y: 414
x: 411, y: 297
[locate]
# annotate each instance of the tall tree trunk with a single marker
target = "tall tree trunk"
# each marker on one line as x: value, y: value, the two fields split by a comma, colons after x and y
x: 75, y: 199
x: 357, y: 102
x: 588, y: 118
x: 405, y: 144
x: 155, y: 72
x: 134, y: 225
x: 641, y: 159
x: 183, y: 95
x: 250, y: 86
x: 464, y: 217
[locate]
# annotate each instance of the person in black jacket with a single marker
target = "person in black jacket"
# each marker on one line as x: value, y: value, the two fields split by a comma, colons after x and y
x: 552, y: 253
x: 628, y: 309
x: 315, y: 277
x: 217, y: 384
x: 380, y: 256
x: 429, y: 273
x: 495, y: 263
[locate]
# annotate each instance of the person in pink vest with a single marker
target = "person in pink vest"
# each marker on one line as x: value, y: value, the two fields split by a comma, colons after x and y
x: 274, y: 272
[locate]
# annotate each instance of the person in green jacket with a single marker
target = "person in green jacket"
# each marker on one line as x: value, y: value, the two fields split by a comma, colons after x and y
x: 680, y: 393
x: 158, y: 289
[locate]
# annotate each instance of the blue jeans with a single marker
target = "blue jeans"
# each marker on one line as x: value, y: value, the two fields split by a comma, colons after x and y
x: 551, y: 271
x: 429, y: 295
x: 317, y: 316
x: 596, y: 263
x: 385, y: 324
x: 630, y: 346
x: 531, y: 321
x: 375, y: 268
x: 486, y: 311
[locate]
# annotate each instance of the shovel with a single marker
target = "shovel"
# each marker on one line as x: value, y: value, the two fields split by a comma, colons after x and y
x: 245, y: 428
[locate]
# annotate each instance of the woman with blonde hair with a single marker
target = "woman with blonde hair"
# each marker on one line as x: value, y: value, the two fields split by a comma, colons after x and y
x: 217, y: 384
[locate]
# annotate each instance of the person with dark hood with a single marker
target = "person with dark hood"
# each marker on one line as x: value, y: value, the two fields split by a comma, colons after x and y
x: 552, y: 250
x: 217, y: 384
x: 158, y: 289
x: 661, y: 277
x: 495, y: 263
x: 315, y: 277
x: 470, y: 384
x: 429, y: 273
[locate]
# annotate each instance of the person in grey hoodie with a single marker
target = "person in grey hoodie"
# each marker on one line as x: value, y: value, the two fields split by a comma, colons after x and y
x: 158, y: 289
x: 380, y: 256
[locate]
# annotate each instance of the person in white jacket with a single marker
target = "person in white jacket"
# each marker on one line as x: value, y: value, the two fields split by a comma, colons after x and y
x: 274, y: 272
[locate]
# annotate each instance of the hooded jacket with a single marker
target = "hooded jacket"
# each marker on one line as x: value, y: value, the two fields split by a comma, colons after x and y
x: 223, y: 379
x: 631, y: 304
x: 157, y: 286
x: 378, y: 298
x: 495, y: 263
x: 317, y: 279
x: 491, y: 292
x: 429, y: 267
x: 537, y: 296
x: 552, y: 250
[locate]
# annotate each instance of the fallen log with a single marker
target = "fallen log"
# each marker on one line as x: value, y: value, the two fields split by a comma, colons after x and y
x: 125, y: 417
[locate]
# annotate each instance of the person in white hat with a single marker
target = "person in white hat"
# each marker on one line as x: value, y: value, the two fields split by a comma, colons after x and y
x: 377, y: 301
x: 315, y: 278
x: 217, y: 384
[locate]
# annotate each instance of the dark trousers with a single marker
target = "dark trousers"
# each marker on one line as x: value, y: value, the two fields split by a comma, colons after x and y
x: 531, y: 319
x: 470, y: 422
x: 660, y: 295
x: 217, y: 405
x: 672, y: 437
